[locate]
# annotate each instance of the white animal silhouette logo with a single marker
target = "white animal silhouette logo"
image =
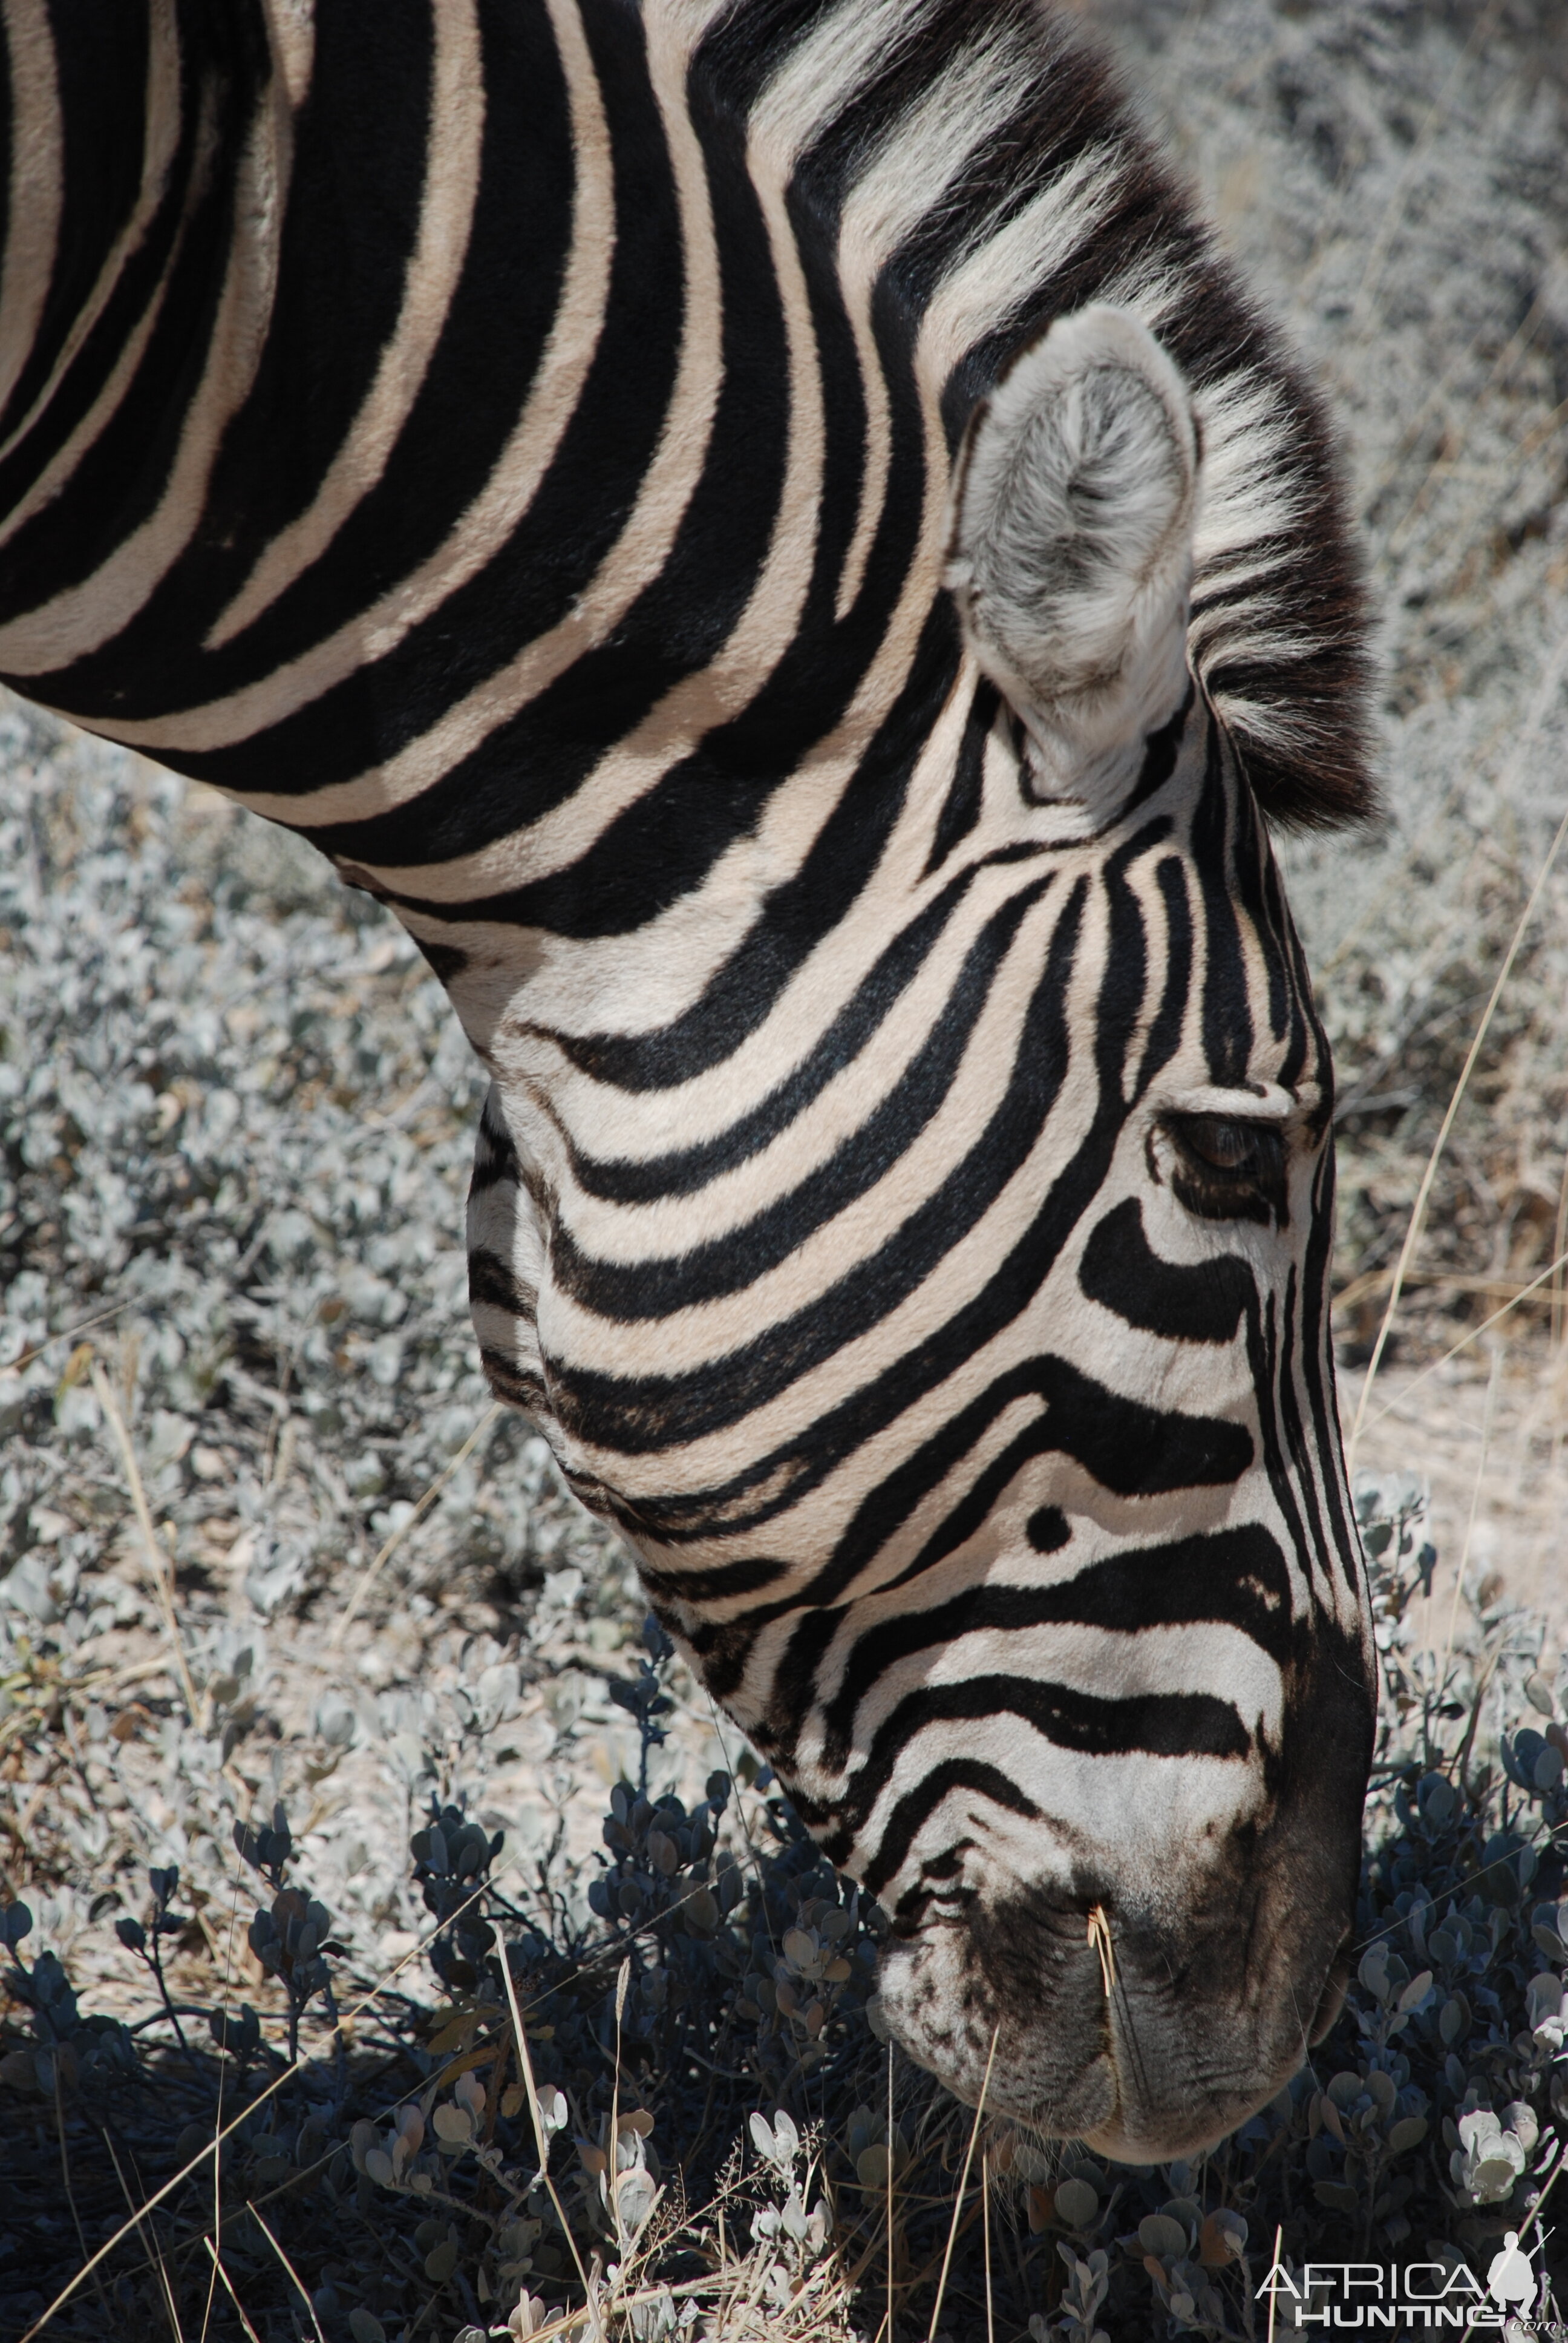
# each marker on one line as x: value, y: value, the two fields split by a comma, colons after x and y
x: 1511, y: 2280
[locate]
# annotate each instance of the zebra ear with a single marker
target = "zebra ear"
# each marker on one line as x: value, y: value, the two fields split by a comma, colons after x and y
x: 1071, y: 552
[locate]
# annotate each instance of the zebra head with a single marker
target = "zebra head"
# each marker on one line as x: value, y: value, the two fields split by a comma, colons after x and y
x: 1087, y: 1701
x: 976, y: 1427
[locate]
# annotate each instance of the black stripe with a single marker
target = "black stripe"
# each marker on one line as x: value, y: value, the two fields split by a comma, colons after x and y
x: 1234, y: 1577
x: 101, y: 350
x: 623, y: 1180
x: 792, y: 919
x: 1201, y: 1301
x: 639, y: 1415
x: 1318, y: 1368
x: 492, y: 1282
x: 916, y: 1808
x: 961, y: 806
x: 658, y: 1287
x: 1265, y: 1360
x: 119, y: 481
x: 1227, y: 1033
x: 100, y: 58
x: 1155, y: 1725
x: 1165, y: 1033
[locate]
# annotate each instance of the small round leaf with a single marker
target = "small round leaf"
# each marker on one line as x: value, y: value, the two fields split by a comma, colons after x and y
x: 441, y: 2261
x: 1076, y: 2205
x: 1159, y: 2234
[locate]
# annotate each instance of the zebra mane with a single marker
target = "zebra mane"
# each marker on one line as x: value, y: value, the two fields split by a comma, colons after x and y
x: 996, y: 139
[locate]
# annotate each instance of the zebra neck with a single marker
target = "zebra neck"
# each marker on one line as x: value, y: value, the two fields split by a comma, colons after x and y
x: 512, y: 448
x: 148, y: 156
x: 441, y: 403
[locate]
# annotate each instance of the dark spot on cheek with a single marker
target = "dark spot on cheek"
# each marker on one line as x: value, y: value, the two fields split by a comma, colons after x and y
x: 447, y: 960
x: 1046, y: 1529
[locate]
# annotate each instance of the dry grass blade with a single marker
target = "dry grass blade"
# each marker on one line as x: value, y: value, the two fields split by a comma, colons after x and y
x: 891, y: 2181
x: 1099, y: 1936
x: 66, y: 2165
x: 1475, y: 1335
x: 1556, y: 667
x: 220, y: 2273
x: 622, y: 1981
x: 159, y: 1567
x: 963, y: 2184
x: 341, y: 2027
x: 374, y: 1568
x: 293, y: 2274
x: 150, y: 2237
x: 66, y: 1334
x: 985, y: 2227
x: 1474, y: 1514
x: 217, y: 2116
x: 541, y: 2137
x: 1559, y: 1292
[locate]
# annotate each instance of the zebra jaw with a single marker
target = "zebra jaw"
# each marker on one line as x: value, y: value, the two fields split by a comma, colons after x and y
x: 1144, y: 1999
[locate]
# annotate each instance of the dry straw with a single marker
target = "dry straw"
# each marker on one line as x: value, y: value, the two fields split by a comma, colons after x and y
x: 159, y: 1568
x: 374, y: 1570
x: 1099, y: 1936
x: 66, y: 1334
x: 1545, y: 694
x: 962, y: 2187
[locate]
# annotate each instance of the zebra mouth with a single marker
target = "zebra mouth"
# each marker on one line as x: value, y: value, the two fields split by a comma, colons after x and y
x: 1095, y: 2028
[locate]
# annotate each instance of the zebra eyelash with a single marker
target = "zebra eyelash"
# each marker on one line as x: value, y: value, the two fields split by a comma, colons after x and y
x: 1229, y: 1168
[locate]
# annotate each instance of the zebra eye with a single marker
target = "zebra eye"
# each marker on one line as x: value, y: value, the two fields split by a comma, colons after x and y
x: 1226, y: 1169
x: 1224, y: 1146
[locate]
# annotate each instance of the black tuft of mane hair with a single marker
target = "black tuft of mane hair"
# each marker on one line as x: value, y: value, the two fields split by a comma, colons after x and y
x: 1280, y: 633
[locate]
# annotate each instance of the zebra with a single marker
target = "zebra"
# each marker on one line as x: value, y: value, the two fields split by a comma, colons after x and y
x: 766, y: 532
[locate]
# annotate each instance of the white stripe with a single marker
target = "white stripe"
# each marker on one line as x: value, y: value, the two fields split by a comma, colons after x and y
x: 36, y: 190
x: 826, y: 70
x: 482, y: 530
x: 1199, y: 1659
x: 931, y: 142
x: 520, y: 986
x: 291, y: 36
x: 1002, y: 268
x: 452, y: 149
x: 160, y: 137
x: 81, y: 618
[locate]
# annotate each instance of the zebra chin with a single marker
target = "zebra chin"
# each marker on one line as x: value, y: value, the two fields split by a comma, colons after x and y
x: 1146, y: 2005
x: 1193, y: 2037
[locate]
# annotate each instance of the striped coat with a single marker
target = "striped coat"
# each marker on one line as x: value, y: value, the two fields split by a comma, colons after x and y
x: 765, y: 533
